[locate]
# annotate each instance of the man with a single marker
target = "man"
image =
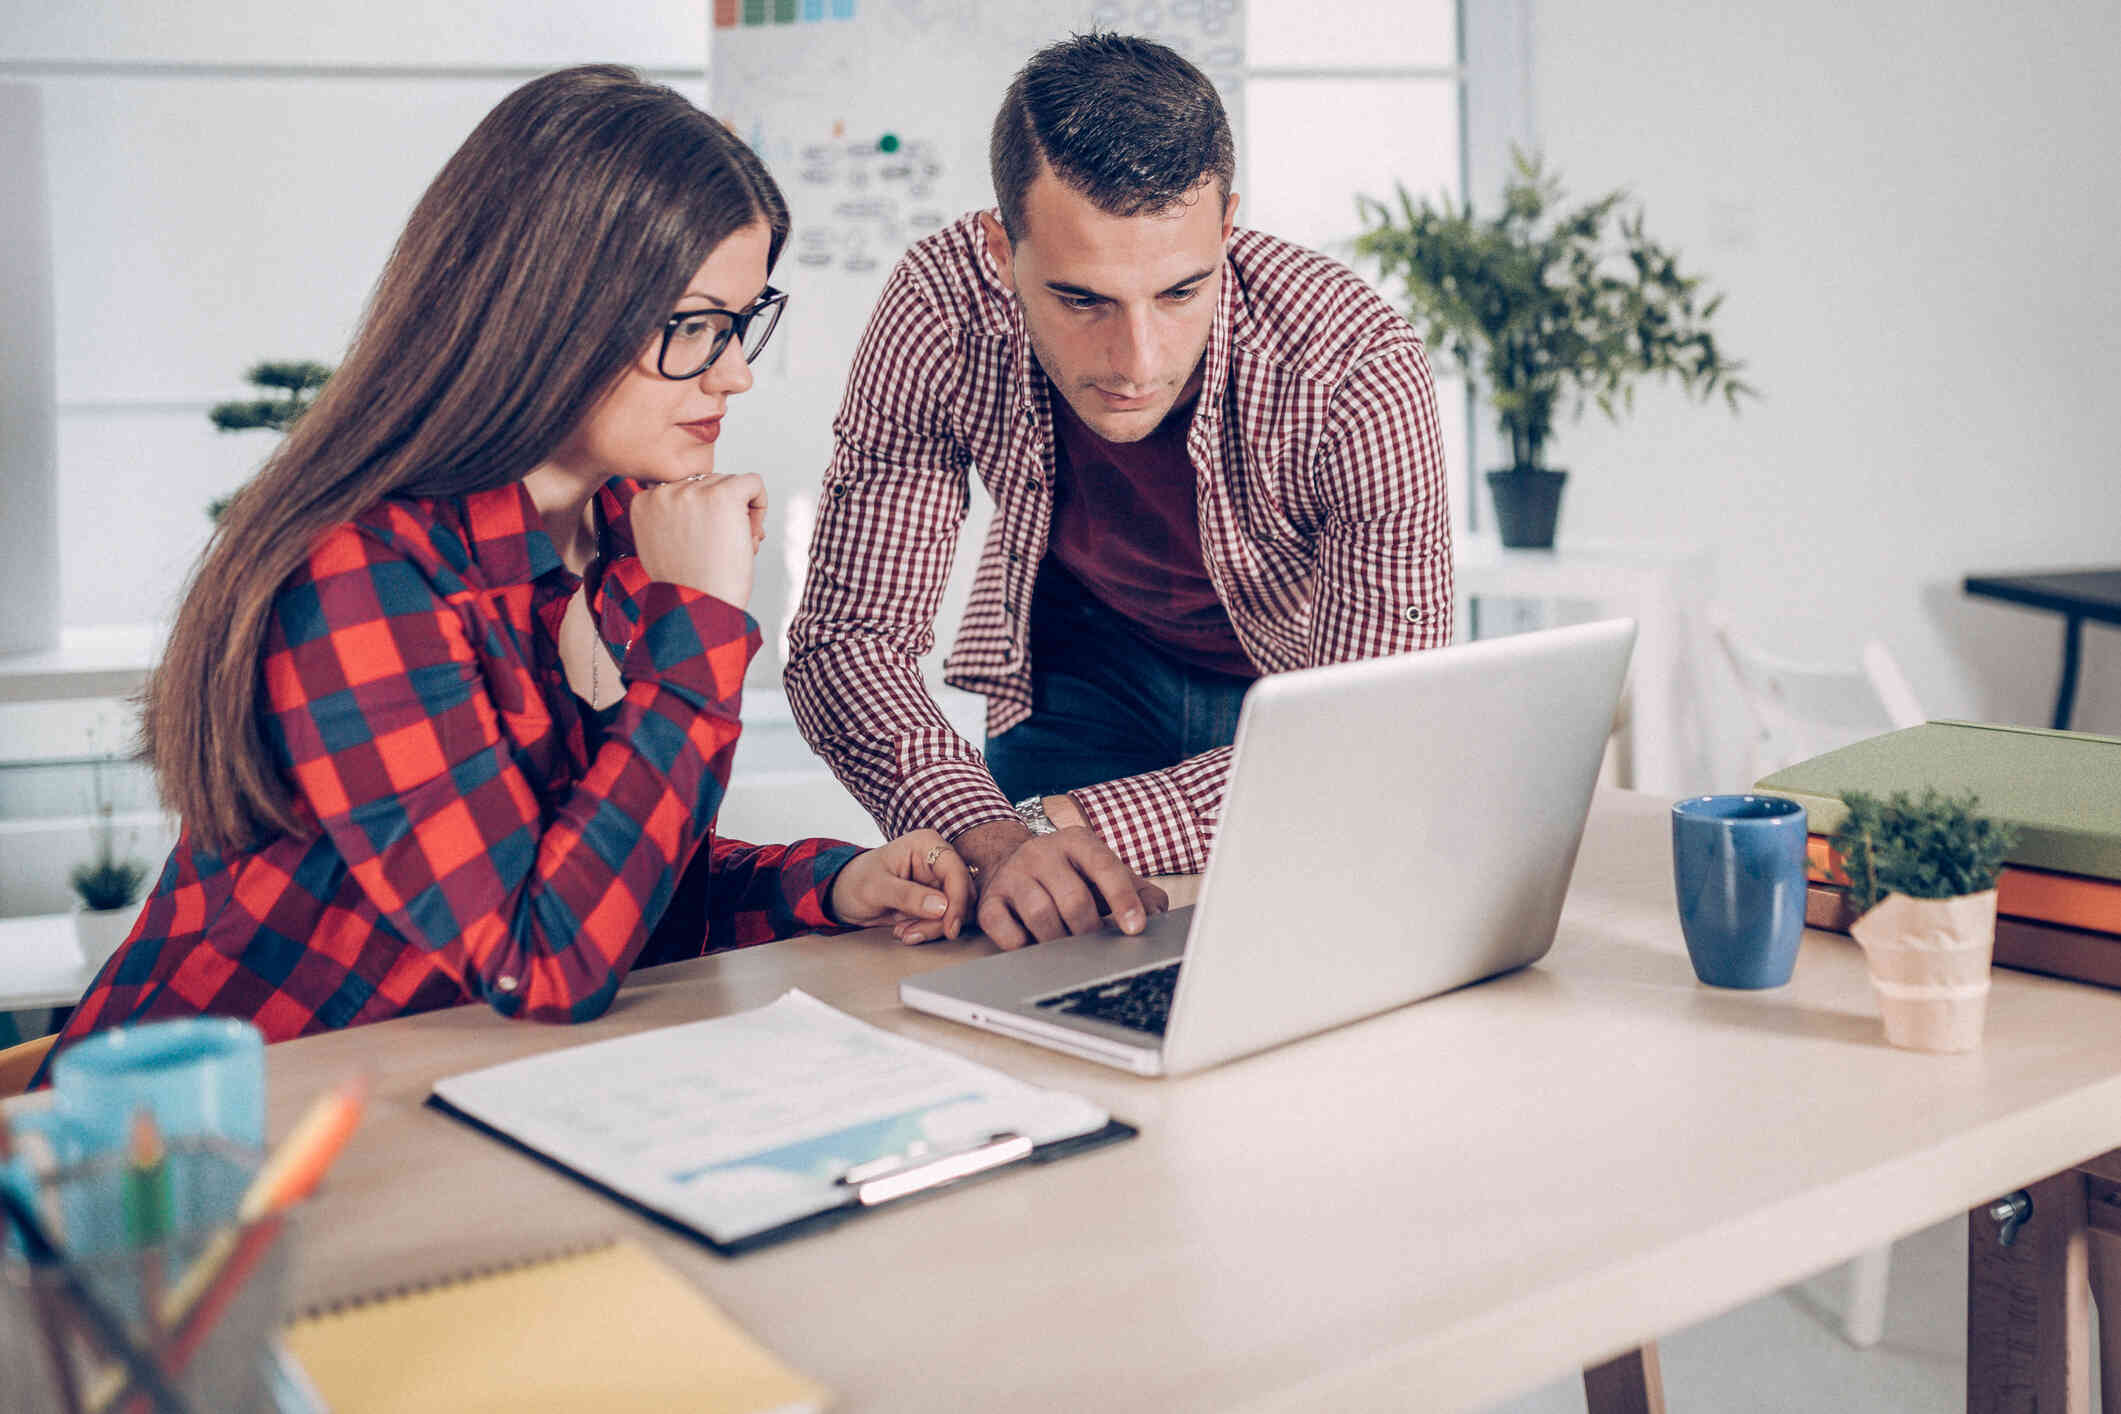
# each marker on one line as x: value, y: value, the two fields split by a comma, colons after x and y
x: 1212, y: 454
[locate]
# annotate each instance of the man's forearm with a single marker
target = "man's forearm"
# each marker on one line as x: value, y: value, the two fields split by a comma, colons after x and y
x: 986, y: 845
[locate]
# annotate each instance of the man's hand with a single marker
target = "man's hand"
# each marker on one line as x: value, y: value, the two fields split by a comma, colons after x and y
x: 1034, y: 888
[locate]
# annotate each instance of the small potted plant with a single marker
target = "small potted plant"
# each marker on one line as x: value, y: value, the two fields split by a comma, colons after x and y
x: 1922, y: 878
x: 1540, y: 309
x: 107, y: 886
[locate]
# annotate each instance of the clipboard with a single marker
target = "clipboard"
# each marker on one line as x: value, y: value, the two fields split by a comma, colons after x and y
x: 749, y: 1130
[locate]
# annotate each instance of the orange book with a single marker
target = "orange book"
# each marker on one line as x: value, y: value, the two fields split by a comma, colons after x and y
x: 2021, y: 943
x: 2040, y: 895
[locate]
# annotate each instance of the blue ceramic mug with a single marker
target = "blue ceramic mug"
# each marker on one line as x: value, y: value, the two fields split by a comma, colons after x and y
x: 1738, y: 862
x: 199, y: 1075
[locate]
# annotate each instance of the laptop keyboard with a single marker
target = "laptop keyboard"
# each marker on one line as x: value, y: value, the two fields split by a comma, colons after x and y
x: 1140, y: 1001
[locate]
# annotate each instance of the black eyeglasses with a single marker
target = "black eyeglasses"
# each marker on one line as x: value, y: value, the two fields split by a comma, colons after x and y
x: 693, y: 340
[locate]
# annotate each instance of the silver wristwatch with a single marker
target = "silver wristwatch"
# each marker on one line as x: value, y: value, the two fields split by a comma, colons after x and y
x: 1032, y: 811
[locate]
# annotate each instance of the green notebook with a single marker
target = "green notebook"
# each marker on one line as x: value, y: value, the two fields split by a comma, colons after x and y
x: 2061, y: 789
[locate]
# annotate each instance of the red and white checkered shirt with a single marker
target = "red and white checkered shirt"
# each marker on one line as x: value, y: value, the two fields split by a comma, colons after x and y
x: 1323, y: 521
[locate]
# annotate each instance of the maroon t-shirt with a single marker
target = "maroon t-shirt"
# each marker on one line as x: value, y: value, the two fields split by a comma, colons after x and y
x: 1126, y: 525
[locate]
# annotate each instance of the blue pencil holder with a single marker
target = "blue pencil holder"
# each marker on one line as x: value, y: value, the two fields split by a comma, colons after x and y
x: 1738, y: 867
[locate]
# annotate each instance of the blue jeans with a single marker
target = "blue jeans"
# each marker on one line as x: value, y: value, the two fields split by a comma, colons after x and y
x: 1105, y: 703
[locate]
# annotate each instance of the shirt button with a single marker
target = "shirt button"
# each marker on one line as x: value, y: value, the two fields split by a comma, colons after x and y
x: 506, y: 984
x: 1412, y: 613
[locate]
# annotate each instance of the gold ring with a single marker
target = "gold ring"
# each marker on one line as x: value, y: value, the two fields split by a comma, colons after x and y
x: 935, y: 854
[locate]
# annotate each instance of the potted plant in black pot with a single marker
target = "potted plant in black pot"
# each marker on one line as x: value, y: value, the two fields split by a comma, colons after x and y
x: 106, y: 885
x: 1542, y: 309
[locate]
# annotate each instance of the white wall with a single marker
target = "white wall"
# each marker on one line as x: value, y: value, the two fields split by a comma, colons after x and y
x: 29, y: 513
x: 1911, y: 207
x: 227, y: 178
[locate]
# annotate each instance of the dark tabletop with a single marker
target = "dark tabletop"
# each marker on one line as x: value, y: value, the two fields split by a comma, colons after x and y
x: 2090, y: 594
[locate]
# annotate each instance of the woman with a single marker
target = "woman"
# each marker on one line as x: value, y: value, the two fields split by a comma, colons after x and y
x: 450, y: 704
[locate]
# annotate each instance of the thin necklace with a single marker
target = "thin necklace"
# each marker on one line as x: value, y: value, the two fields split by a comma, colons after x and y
x: 597, y: 651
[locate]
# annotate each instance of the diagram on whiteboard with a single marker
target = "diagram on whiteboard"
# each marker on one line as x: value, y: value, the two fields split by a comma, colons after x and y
x: 869, y: 198
x: 873, y: 114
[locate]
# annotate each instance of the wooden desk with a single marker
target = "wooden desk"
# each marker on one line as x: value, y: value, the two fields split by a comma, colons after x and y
x: 1434, y: 1209
x: 2077, y: 595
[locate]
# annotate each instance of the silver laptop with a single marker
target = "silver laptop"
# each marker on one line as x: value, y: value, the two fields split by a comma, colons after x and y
x: 1392, y: 829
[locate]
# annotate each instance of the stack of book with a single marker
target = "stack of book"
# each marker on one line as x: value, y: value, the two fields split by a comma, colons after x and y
x: 2058, y: 902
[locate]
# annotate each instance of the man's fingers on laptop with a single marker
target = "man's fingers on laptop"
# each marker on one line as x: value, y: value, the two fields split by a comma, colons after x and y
x: 999, y: 924
x: 1073, y: 902
x: 1115, y: 883
x: 1036, y: 912
x: 1153, y: 898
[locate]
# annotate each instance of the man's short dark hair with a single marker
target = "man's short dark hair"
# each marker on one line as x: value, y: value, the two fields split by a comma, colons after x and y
x: 1124, y: 121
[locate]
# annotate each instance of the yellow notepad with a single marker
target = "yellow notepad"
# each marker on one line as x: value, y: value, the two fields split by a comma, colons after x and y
x: 610, y: 1329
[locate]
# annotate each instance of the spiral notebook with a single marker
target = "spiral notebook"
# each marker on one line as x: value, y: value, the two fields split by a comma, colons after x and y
x: 608, y: 1328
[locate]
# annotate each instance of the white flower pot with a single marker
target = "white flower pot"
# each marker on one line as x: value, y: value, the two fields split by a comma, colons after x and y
x: 1929, y: 962
x: 100, y: 931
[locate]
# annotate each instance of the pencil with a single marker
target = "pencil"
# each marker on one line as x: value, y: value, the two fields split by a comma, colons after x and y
x: 294, y: 1169
x: 147, y: 1215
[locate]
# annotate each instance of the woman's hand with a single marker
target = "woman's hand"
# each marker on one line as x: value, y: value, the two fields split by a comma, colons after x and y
x: 702, y: 532
x: 916, y: 879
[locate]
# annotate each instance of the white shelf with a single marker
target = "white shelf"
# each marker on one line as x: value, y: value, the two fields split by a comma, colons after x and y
x: 1663, y: 585
x: 107, y: 660
x: 40, y: 963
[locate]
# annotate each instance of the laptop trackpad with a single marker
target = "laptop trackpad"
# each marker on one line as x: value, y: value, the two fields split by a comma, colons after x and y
x: 1015, y: 978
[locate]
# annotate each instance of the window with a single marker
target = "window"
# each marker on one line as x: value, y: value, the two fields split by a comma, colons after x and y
x: 1348, y: 99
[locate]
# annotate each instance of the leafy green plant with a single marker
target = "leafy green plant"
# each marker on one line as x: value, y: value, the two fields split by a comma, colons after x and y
x: 105, y: 881
x: 1540, y: 307
x: 1927, y: 846
x: 296, y: 385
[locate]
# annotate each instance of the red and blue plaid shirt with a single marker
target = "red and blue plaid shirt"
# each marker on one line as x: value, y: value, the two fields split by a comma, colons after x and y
x: 478, y: 834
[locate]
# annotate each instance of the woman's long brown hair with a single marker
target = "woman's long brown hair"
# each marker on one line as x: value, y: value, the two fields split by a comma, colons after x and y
x: 536, y: 268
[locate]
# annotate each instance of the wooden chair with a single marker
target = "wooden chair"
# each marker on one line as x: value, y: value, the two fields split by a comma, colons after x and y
x: 19, y: 1063
x: 1798, y: 711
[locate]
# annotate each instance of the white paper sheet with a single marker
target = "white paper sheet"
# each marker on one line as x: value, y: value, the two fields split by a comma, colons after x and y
x: 742, y: 1123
